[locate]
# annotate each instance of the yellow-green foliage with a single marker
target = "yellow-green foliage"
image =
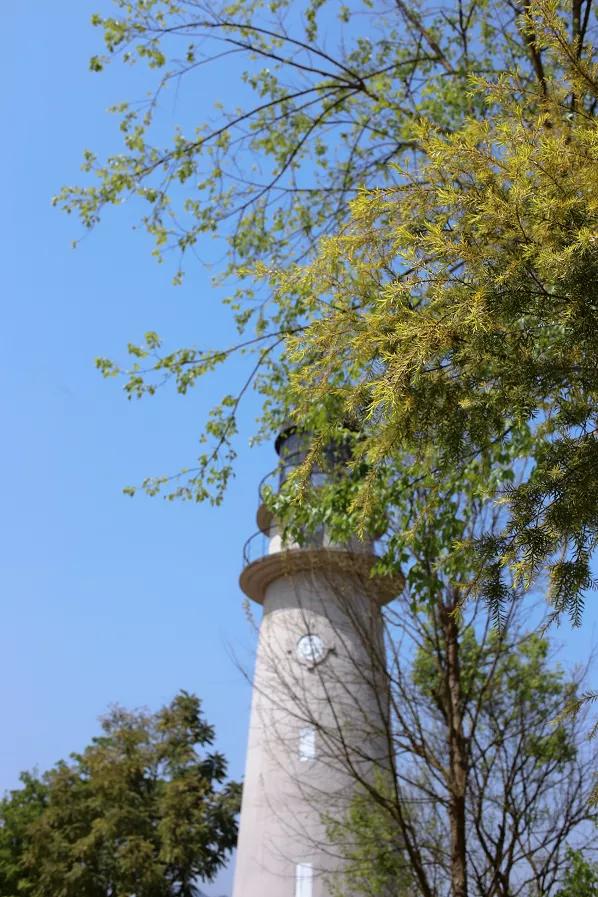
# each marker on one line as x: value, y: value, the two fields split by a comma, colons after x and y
x: 458, y: 312
x: 450, y: 321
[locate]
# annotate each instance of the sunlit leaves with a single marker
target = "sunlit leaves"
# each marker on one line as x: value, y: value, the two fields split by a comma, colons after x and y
x: 461, y: 319
x: 442, y: 164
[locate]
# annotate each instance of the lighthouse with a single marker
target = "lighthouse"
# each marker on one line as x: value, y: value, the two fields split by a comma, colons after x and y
x: 319, y: 726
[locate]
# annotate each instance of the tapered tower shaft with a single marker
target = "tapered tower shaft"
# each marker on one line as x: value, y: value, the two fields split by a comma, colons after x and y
x: 319, y: 721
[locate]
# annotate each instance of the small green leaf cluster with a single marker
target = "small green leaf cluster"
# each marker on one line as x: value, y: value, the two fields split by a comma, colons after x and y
x: 581, y: 877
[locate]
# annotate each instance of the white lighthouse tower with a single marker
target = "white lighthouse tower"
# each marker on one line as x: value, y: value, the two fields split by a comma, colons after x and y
x: 319, y: 721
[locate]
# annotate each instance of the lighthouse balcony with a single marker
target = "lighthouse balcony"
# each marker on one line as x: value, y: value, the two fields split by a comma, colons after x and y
x: 270, y: 541
x: 267, y: 556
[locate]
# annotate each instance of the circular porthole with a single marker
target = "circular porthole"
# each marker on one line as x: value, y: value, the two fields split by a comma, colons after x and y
x: 311, y: 649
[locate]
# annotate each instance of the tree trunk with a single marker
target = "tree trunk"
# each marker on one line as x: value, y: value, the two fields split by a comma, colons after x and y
x: 457, y: 751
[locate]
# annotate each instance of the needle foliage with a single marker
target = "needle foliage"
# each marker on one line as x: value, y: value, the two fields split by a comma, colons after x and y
x: 407, y: 195
x: 463, y: 312
x: 461, y: 320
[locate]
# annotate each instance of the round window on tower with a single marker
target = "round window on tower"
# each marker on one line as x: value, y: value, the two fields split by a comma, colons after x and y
x: 311, y: 649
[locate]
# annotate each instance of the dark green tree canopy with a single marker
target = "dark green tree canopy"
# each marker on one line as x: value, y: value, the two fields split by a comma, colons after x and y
x: 145, y: 809
x: 18, y: 812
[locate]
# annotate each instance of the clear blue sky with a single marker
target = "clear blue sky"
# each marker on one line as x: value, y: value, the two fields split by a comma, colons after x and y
x: 104, y: 599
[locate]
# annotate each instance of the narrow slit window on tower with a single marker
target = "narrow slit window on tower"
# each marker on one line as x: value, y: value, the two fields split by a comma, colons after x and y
x: 303, y: 880
x: 307, y: 744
